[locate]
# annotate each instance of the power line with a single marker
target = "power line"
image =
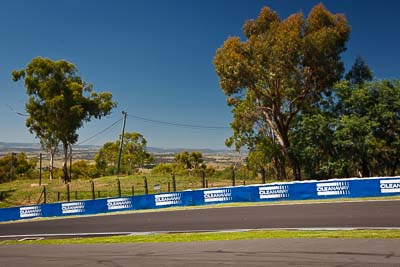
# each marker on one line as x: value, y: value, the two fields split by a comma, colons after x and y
x: 18, y: 113
x: 102, y: 131
x: 180, y: 124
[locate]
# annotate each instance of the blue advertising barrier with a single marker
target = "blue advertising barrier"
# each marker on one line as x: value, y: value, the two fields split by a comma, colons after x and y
x: 335, y: 188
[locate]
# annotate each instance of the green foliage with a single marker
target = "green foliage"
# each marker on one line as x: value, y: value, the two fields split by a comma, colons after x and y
x: 134, y: 152
x: 16, y: 165
x: 106, y: 158
x: 280, y: 70
x: 168, y: 169
x: 241, y: 173
x: 359, y: 72
x: 289, y: 109
x: 164, y: 169
x: 59, y: 102
x: 83, y: 169
x: 356, y: 133
x: 267, y: 159
x: 313, y: 140
x: 205, y: 237
x: 369, y: 126
x: 134, y: 155
x: 187, y: 161
x: 209, y: 171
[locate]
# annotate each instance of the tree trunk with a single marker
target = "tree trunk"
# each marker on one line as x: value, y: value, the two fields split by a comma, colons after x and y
x: 294, y: 163
x: 263, y: 175
x: 51, y: 164
x: 65, y: 163
x: 281, y: 130
x: 365, y: 170
x: 279, y: 167
x: 295, y: 168
x: 394, y: 168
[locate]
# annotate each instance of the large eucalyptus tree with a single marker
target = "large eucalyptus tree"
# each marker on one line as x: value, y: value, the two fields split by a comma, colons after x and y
x: 281, y: 67
x: 60, y: 102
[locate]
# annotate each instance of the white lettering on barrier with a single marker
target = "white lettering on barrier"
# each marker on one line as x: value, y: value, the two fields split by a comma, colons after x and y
x: 333, y: 188
x: 168, y: 199
x: 218, y: 195
x: 73, y: 207
x: 277, y: 191
x: 390, y: 186
x: 33, y: 211
x: 119, y: 203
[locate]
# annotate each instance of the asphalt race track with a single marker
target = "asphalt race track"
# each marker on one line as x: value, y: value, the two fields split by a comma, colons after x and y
x: 369, y: 214
x: 264, y: 252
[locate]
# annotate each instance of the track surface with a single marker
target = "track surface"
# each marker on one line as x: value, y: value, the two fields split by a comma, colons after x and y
x: 340, y: 214
x: 268, y: 252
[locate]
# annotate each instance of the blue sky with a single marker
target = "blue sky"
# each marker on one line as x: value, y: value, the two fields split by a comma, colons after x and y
x: 156, y: 57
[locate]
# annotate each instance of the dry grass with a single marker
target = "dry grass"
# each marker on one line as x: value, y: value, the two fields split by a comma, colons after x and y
x: 27, y: 192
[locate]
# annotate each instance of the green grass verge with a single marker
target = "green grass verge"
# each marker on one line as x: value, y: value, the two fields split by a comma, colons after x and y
x: 203, y: 237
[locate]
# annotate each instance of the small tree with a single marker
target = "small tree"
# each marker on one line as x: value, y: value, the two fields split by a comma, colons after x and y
x: 134, y: 151
x: 134, y: 154
x: 50, y: 144
x: 194, y: 160
x: 183, y: 160
x: 12, y: 165
x: 106, y: 158
x: 60, y: 102
x: 359, y: 73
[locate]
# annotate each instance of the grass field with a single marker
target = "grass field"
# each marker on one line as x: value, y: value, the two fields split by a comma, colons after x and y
x: 26, y: 192
x: 203, y: 237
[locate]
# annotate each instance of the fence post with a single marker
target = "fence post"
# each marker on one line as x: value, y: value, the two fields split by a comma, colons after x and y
x: 98, y: 194
x: 44, y: 195
x: 206, y: 183
x: 244, y: 182
x: 40, y: 169
x: 146, y: 188
x: 68, y: 195
x: 133, y: 190
x: 58, y: 196
x: 92, y: 189
x: 119, y: 187
x: 173, y: 182
x: 233, y: 177
x: 203, y: 179
x: 76, y: 195
x: 169, y: 187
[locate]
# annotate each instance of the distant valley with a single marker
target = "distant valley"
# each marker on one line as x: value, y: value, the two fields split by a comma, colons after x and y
x: 218, y: 158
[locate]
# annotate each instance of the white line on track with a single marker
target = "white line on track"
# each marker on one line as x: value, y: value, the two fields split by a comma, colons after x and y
x: 36, y: 236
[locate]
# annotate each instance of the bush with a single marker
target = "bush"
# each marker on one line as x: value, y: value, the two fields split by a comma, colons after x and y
x: 83, y: 169
x: 13, y: 166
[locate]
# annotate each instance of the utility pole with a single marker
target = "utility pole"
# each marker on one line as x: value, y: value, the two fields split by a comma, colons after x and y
x: 70, y: 162
x: 122, y: 141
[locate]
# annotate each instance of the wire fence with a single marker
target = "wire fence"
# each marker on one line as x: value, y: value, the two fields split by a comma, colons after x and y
x: 117, y: 187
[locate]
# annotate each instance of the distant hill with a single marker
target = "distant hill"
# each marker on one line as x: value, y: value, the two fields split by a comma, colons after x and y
x: 19, y: 145
x: 180, y: 150
x: 35, y: 147
x: 29, y: 147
